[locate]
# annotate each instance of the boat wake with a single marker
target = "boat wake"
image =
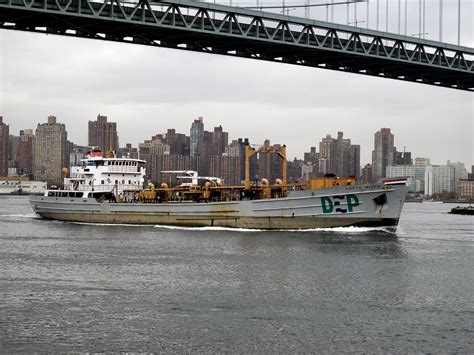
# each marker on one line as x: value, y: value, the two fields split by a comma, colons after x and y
x: 19, y: 215
x: 348, y: 230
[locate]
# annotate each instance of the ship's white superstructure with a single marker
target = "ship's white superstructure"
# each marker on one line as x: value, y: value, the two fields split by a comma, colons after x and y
x: 122, y: 176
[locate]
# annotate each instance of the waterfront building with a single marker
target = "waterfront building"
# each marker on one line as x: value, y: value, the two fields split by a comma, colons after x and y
x: 460, y: 171
x: 415, y: 173
x: 24, y: 153
x: 4, y: 142
x: 50, y: 152
x: 103, y: 134
x: 439, y: 179
x: 383, y: 153
x: 465, y: 189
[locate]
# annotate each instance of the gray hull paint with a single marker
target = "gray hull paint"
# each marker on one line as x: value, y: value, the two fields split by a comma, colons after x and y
x: 359, y: 205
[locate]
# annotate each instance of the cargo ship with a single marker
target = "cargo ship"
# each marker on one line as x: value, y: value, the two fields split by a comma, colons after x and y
x: 113, y: 190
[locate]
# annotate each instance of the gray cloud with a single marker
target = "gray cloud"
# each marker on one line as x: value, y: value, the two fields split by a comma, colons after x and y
x: 147, y: 90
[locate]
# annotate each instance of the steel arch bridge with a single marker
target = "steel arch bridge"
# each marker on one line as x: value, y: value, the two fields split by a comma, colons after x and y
x: 233, y: 31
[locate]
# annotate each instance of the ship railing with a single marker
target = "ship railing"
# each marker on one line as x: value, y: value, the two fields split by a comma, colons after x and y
x: 112, y: 188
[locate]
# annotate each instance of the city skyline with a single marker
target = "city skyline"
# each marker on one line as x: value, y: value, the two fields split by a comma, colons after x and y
x: 364, y: 150
x: 47, y: 154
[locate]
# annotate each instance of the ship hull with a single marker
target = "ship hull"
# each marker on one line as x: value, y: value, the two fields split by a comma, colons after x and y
x: 357, y: 205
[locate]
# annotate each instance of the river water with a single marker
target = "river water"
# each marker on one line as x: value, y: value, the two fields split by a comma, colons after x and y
x: 67, y: 287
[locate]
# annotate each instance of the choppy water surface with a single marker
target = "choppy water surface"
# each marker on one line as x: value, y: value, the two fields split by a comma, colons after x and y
x: 79, y: 287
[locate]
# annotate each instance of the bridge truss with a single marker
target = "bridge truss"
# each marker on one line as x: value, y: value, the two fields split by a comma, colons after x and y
x: 219, y: 29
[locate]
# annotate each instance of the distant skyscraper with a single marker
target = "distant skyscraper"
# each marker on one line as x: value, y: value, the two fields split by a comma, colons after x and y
x: 327, y: 151
x: 312, y: 156
x: 4, y: 139
x: 366, y: 173
x: 220, y: 139
x: 178, y: 142
x: 13, y: 144
x: 151, y: 151
x: 24, y: 153
x: 383, y: 153
x: 269, y: 164
x: 196, y: 136
x: 103, y: 134
x: 51, y: 152
x: 341, y: 157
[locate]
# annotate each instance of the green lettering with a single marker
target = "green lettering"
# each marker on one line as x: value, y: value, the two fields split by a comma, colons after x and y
x: 327, y: 204
x: 352, y: 201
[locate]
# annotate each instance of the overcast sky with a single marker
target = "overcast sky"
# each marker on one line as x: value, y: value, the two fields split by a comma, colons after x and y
x: 147, y: 90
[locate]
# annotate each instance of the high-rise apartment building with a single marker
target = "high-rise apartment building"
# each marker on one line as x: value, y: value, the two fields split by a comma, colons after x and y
x: 366, y: 173
x: 231, y: 163
x: 312, y: 156
x: 103, y: 134
x: 220, y: 139
x: 24, y: 153
x: 151, y: 151
x: 269, y: 164
x: 128, y: 151
x: 383, y: 153
x: 196, y: 136
x: 340, y: 156
x: 460, y: 171
x: 4, y: 139
x: 50, y: 152
x: 178, y: 142
x: 439, y: 179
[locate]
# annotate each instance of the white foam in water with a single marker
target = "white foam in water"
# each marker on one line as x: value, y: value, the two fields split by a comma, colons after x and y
x: 210, y: 228
x: 352, y: 230
x: 348, y: 230
x: 19, y: 215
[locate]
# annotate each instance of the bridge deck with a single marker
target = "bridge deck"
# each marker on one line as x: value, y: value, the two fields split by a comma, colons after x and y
x: 225, y: 30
